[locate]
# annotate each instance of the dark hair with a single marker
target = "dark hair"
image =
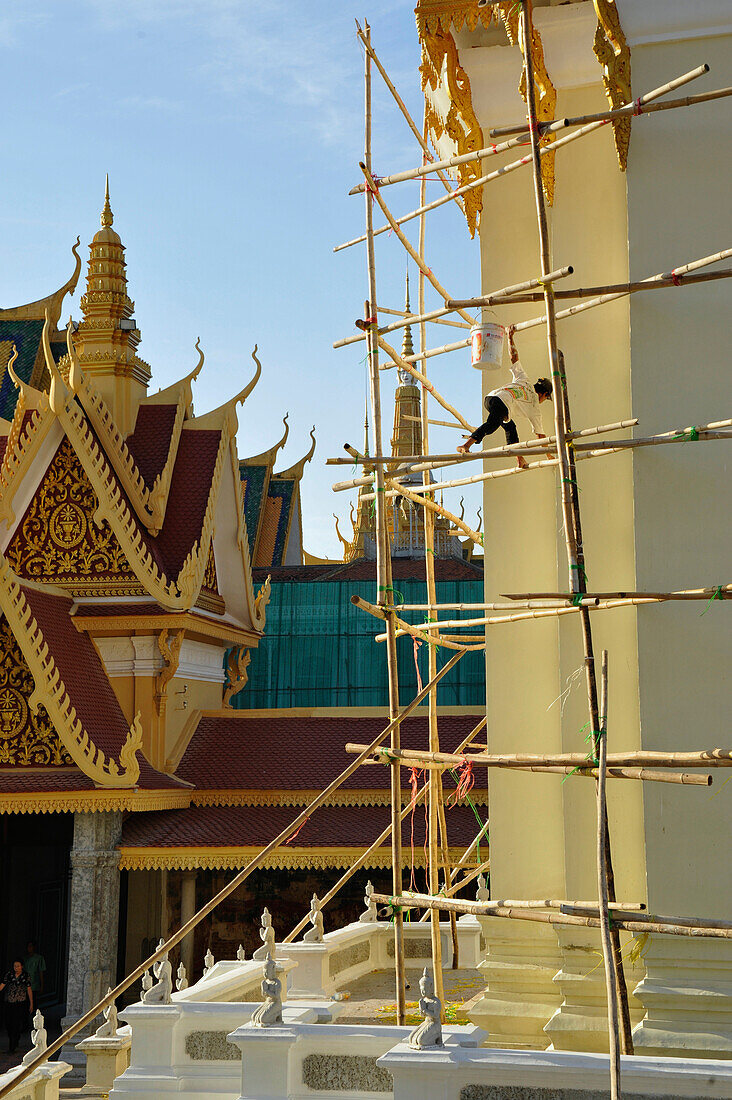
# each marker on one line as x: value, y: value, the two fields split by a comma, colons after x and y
x: 543, y: 387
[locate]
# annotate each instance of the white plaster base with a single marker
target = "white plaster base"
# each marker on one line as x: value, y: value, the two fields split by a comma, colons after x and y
x: 687, y: 995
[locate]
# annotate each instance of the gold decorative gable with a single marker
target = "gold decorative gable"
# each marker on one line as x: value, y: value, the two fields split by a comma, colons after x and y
x: 59, y: 540
x: 613, y: 53
x: 26, y: 738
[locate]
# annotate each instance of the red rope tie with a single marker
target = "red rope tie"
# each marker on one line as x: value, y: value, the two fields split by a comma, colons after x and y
x: 638, y: 107
x: 414, y: 784
x: 465, y: 783
x: 415, y: 645
x: 297, y: 831
x: 675, y: 279
x: 494, y: 148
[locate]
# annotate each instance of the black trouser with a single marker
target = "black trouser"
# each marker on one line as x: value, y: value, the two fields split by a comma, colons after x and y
x: 16, y: 1014
x: 497, y: 418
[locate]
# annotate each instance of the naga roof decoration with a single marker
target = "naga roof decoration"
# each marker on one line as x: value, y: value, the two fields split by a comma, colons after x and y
x: 255, y: 474
x: 441, y: 71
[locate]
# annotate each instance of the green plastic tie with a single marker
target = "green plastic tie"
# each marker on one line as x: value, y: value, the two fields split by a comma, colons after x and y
x: 716, y: 595
x: 577, y: 599
x: 580, y: 571
x: 689, y: 435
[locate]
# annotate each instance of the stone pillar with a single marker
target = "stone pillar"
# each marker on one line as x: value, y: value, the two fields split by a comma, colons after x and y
x: 187, y: 909
x: 94, y: 919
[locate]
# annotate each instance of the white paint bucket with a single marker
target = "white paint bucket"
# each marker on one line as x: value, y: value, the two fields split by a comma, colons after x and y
x: 486, y: 346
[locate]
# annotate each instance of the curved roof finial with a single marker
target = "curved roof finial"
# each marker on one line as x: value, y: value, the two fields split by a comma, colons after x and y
x: 16, y: 381
x: 197, y: 369
x: 107, y: 217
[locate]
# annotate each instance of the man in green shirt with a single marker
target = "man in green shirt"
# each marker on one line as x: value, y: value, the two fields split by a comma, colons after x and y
x: 35, y: 965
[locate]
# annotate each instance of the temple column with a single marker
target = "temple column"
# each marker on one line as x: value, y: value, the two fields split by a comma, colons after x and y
x: 94, y: 919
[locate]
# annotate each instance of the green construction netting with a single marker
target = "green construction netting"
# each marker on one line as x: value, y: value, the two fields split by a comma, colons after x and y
x: 318, y: 649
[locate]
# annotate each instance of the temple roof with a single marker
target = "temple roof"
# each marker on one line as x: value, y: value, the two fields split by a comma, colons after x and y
x: 296, y: 753
x: 229, y: 836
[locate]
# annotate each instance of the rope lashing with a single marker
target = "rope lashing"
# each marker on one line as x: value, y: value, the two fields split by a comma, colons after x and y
x: 716, y: 595
x: 689, y: 435
x: 414, y: 776
x: 416, y: 643
x: 638, y: 110
x: 577, y: 599
x: 580, y: 570
x: 297, y: 831
x: 390, y: 588
x: 464, y: 782
x: 477, y: 816
x: 675, y: 279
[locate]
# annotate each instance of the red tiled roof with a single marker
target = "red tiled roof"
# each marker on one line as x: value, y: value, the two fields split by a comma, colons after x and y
x: 149, y: 444
x: 116, y: 610
x: 49, y: 780
x: 254, y: 826
x: 301, y: 753
x: 86, y: 682
x: 446, y: 569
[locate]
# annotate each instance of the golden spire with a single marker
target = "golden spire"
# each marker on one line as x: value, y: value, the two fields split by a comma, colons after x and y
x: 407, y: 345
x: 366, y: 430
x: 107, y: 217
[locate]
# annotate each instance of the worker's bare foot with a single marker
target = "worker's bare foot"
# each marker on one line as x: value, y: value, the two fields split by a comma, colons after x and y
x: 522, y: 463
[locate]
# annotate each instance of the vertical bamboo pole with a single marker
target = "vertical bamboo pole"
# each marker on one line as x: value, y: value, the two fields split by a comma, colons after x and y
x: 570, y: 497
x: 435, y: 777
x: 383, y: 561
x: 602, y: 889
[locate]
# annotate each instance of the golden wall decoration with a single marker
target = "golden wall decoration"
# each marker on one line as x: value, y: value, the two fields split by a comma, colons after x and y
x: 26, y: 739
x: 210, y: 579
x: 440, y: 65
x: 613, y: 53
x: 59, y: 541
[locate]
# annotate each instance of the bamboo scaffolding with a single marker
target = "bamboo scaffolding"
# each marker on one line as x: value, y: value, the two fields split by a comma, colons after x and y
x: 434, y: 321
x: 402, y: 107
x: 224, y: 893
x: 381, y: 839
x: 373, y: 190
x: 430, y: 760
x: 611, y: 973
x: 664, y: 925
x: 436, y: 509
x: 546, y: 613
x: 704, y: 758
x: 609, y: 288
x: 379, y: 613
x: 580, y: 120
x: 435, y: 423
x: 383, y: 555
x: 725, y: 591
x: 506, y: 168
x: 603, y: 299
x: 426, y: 384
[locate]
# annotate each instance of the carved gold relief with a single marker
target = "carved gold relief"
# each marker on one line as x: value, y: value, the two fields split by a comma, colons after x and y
x: 58, y: 540
x: 237, y: 672
x: 210, y: 579
x: 440, y: 65
x: 613, y: 53
x: 25, y: 738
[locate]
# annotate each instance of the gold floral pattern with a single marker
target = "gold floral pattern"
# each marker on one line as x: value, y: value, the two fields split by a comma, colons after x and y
x: 25, y: 738
x: 59, y: 541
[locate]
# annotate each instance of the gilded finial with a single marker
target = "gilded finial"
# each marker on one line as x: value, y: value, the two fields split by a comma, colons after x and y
x: 107, y: 216
x: 407, y: 345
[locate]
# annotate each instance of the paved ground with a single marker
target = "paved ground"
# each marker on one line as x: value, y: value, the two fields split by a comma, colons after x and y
x: 371, y: 998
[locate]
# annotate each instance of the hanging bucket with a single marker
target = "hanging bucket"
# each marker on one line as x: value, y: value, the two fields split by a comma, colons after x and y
x: 486, y: 346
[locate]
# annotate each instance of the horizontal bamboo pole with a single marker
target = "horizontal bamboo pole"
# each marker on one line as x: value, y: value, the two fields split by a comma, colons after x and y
x: 366, y: 41
x: 580, y: 120
x: 609, y: 288
x: 435, y: 423
x: 664, y: 925
x: 112, y: 994
x: 443, y: 349
x: 603, y: 299
x: 539, y: 604
x: 435, y: 314
x: 521, y: 598
x: 518, y: 288
x: 584, y: 906
x: 408, y: 758
x: 702, y: 435
x: 703, y: 758
x: 514, y: 165
x: 543, y: 613
x: 432, y: 639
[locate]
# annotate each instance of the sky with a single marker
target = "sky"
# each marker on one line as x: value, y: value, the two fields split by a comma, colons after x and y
x: 231, y: 131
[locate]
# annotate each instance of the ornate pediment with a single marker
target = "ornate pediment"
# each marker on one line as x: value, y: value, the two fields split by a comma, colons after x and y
x: 26, y: 739
x: 59, y: 541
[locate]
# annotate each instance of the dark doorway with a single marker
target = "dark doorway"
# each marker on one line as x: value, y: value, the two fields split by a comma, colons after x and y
x: 34, y: 872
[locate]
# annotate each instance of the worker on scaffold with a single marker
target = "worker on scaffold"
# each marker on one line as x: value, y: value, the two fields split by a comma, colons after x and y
x: 503, y: 403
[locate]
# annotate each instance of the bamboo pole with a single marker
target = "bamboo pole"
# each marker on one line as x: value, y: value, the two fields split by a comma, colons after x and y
x: 706, y: 758
x: 224, y: 893
x: 580, y: 120
x: 725, y: 591
x: 603, y: 299
x: 379, y: 613
x: 666, y: 926
x: 547, y: 613
x: 434, y: 321
x: 611, y: 975
x: 373, y: 190
x: 506, y: 168
x: 453, y: 887
x: 402, y: 107
x: 408, y: 759
x: 435, y: 314
x: 381, y: 838
x: 609, y: 288
x: 383, y: 555
x: 435, y: 508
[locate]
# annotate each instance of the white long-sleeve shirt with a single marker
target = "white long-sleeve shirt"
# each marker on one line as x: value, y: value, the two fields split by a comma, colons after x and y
x: 520, y: 397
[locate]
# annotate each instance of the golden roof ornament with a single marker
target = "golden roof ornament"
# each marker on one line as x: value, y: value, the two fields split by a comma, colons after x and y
x: 106, y: 216
x: 405, y: 378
